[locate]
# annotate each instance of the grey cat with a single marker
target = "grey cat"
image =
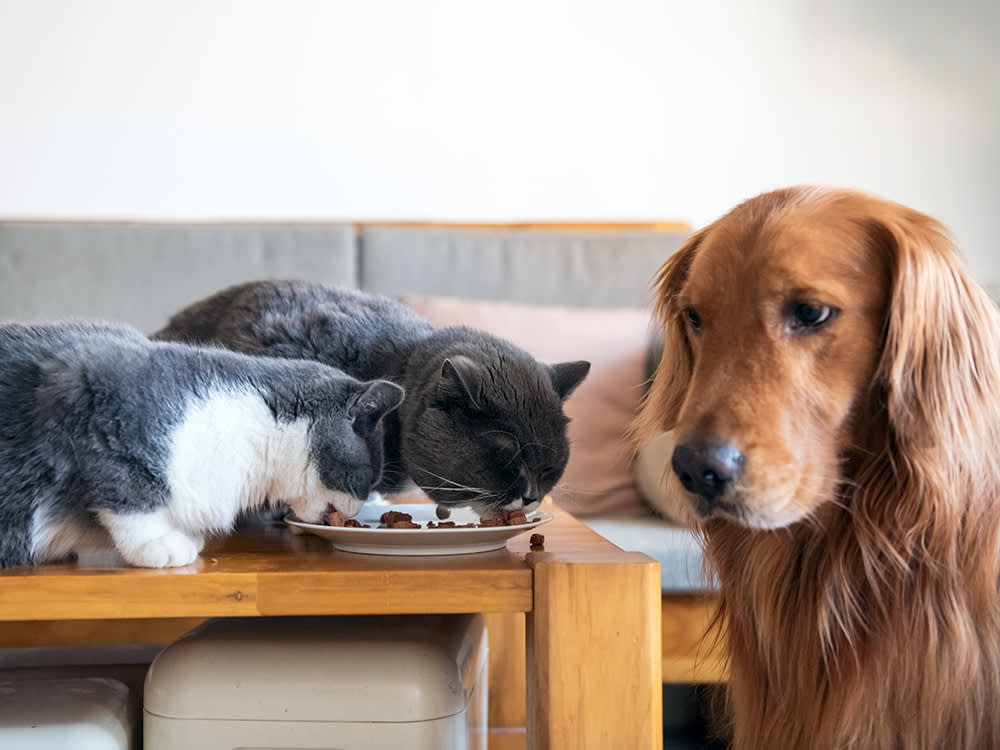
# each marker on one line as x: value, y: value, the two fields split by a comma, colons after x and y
x: 482, y: 423
x: 159, y: 444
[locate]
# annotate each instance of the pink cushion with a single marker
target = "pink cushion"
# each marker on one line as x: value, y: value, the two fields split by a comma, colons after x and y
x: 599, y: 478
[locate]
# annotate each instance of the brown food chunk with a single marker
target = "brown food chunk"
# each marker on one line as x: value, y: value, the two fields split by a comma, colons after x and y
x: 537, y: 540
x: 450, y: 525
x: 393, y: 516
x: 514, y: 517
x: 335, y: 518
x: 356, y: 524
x: 403, y: 524
x: 487, y: 522
x: 506, y: 518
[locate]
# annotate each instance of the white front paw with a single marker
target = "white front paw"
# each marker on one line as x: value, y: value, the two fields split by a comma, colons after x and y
x: 168, y: 551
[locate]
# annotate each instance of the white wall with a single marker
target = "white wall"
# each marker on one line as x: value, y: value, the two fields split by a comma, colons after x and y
x: 496, y: 110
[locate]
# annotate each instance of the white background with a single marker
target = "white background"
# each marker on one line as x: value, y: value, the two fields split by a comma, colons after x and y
x: 521, y: 109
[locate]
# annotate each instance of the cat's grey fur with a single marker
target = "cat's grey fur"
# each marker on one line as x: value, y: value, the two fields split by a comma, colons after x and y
x: 92, y: 434
x: 482, y: 423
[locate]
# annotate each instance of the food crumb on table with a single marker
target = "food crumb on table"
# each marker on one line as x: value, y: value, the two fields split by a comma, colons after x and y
x: 537, y: 541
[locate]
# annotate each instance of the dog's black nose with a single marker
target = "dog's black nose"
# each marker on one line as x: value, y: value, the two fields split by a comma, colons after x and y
x: 705, y: 469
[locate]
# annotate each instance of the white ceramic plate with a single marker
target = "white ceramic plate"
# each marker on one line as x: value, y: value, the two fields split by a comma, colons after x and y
x: 424, y: 541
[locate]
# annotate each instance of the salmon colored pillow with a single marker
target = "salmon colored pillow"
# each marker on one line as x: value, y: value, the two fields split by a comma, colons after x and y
x: 599, y: 478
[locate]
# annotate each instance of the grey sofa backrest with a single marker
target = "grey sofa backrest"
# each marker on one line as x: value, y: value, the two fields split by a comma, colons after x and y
x: 141, y: 273
x: 582, y: 268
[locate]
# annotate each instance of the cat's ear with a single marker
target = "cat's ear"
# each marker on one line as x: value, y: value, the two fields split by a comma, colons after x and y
x: 566, y: 376
x: 372, y: 402
x: 459, y: 381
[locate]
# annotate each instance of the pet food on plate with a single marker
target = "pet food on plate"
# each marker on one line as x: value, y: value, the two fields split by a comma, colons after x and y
x: 403, y: 525
x: 394, y: 516
x: 335, y: 518
x: 513, y: 517
x: 506, y: 518
x: 393, y: 519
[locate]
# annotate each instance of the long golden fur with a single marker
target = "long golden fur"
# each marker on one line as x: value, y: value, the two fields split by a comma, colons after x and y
x: 858, y: 549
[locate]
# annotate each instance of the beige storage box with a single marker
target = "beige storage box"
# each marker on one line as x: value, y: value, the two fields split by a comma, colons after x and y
x: 321, y: 683
x: 65, y: 714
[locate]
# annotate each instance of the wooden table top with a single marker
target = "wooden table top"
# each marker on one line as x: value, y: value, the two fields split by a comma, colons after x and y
x: 592, y: 622
x: 268, y: 571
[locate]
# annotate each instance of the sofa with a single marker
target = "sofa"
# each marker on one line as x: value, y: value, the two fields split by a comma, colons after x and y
x: 561, y: 291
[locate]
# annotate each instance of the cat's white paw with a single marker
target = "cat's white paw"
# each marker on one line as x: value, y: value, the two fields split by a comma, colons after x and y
x: 168, y: 551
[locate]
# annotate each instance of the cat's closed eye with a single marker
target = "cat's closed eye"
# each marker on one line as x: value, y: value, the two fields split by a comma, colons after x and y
x: 506, y: 447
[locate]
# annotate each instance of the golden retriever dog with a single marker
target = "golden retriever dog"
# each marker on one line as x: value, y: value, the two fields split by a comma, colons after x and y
x: 832, y: 379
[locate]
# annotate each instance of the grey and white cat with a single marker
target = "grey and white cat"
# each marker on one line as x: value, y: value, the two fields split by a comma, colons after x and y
x: 159, y: 444
x: 482, y: 423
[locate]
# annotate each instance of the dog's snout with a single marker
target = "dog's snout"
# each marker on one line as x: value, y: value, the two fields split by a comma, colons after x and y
x: 707, y: 469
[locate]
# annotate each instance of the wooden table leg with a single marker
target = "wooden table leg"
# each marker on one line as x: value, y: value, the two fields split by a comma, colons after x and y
x: 594, y: 661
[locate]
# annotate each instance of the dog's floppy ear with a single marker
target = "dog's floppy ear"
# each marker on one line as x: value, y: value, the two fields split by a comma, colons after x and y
x: 666, y: 394
x: 940, y: 353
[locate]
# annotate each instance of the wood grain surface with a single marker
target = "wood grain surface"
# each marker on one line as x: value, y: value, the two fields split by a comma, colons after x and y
x: 690, y: 652
x: 268, y: 571
x: 592, y: 629
x: 593, y: 643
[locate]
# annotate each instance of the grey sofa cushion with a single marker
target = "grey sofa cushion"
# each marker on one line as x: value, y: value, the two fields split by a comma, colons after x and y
x: 590, y: 268
x: 140, y: 273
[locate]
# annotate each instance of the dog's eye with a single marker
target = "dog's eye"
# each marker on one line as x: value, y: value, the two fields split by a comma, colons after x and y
x: 693, y: 318
x: 805, y: 315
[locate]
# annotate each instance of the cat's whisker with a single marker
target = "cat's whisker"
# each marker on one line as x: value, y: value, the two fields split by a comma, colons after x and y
x: 456, y: 486
x: 503, y: 432
x: 448, y: 489
x: 520, y: 445
x: 578, y: 490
